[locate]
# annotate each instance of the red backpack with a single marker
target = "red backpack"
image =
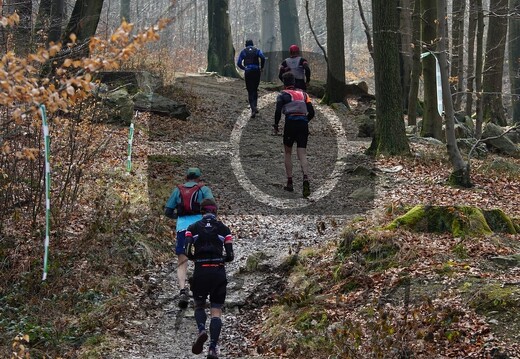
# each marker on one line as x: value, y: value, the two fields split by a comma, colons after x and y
x: 189, y: 203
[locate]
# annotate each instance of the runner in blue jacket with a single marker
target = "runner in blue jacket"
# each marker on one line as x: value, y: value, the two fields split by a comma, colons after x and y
x: 252, y: 61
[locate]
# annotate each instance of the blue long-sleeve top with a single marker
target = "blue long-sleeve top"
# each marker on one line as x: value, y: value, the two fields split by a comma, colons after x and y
x: 253, y: 66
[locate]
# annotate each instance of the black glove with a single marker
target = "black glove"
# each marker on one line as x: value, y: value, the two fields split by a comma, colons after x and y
x: 229, y: 252
x: 170, y: 213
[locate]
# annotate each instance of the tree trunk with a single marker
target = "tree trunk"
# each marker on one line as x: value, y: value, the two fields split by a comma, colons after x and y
x: 268, y: 42
x: 42, y: 22
x: 335, y: 89
x: 83, y: 21
x: 457, y: 51
x: 514, y: 57
x: 390, y: 136
x: 432, y: 121
x: 22, y: 32
x: 124, y: 11
x: 479, y: 68
x: 470, y: 73
x: 221, y: 53
x: 416, y: 65
x: 406, y: 52
x: 460, y: 175
x: 350, y: 41
x: 494, y: 63
x: 289, y: 25
x: 57, y: 16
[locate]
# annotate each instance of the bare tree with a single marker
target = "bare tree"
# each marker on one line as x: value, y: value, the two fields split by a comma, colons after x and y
x: 514, y: 57
x: 268, y: 41
x: 460, y: 175
x: 124, y: 10
x: 494, y: 63
x: 432, y: 121
x: 84, y: 20
x: 335, y: 89
x: 470, y: 72
x: 390, y: 137
x: 289, y: 25
x: 221, y: 53
x: 416, y: 64
x: 457, y: 50
x: 405, y: 53
x: 22, y: 33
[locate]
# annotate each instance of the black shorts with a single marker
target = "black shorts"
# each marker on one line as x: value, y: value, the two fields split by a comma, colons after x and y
x: 295, y: 131
x: 209, y: 281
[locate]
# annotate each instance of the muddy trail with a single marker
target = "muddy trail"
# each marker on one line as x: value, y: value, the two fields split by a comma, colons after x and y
x: 242, y: 162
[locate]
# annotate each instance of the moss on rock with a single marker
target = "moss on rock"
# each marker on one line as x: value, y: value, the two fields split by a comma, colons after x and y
x: 499, y: 222
x: 461, y: 221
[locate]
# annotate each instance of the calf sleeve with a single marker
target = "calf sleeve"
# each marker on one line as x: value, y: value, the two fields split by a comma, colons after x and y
x: 215, y: 326
x: 200, y: 318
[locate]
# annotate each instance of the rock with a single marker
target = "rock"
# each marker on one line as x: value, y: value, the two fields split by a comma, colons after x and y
x: 492, y: 137
x: 159, y: 104
x: 461, y: 131
x: 411, y: 130
x: 499, y: 222
x: 134, y: 81
x: 366, y: 125
x: 466, y: 144
x: 117, y: 107
x: 461, y: 221
x: 363, y: 194
x: 425, y: 140
x: 507, y: 261
x: 468, y: 122
x: 514, y: 136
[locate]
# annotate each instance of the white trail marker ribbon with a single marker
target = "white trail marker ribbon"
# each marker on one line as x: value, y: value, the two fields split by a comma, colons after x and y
x: 130, y: 140
x: 46, y: 138
x: 438, y: 81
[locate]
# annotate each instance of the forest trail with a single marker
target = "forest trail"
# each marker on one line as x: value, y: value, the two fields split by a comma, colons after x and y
x: 243, y: 164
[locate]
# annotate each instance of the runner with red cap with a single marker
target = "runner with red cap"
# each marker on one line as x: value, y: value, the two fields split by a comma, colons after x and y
x: 298, y: 66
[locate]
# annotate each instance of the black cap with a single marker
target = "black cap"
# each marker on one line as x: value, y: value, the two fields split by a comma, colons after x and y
x: 249, y: 42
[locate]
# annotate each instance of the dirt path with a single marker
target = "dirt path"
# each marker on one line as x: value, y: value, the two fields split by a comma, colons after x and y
x: 243, y: 164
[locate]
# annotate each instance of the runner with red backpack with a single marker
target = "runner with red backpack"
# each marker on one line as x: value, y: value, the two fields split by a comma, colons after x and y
x: 184, y: 205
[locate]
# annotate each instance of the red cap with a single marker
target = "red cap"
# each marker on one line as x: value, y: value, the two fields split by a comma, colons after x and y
x: 294, y: 49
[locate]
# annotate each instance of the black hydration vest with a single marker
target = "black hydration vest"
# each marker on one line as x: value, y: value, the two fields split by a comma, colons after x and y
x: 208, y: 242
x: 251, y: 57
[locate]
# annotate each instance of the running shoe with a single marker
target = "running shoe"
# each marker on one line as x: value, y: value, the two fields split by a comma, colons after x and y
x: 289, y: 187
x: 306, y: 189
x: 212, y: 353
x: 184, y: 299
x: 199, y: 343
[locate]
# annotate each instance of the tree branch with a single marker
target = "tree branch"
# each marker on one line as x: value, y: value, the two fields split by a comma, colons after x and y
x: 481, y: 140
x: 313, y: 33
x: 367, y: 30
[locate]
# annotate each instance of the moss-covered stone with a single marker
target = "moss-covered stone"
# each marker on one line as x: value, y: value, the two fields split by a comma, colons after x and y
x: 498, y: 221
x: 495, y: 297
x: 461, y: 221
x: 254, y: 262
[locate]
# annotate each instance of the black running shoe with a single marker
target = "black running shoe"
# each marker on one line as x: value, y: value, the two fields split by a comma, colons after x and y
x: 289, y: 187
x: 199, y: 343
x: 306, y: 189
x: 212, y: 353
x: 184, y: 299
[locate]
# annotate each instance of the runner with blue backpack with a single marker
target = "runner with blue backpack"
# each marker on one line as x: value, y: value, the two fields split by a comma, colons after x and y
x: 184, y: 205
x: 252, y: 61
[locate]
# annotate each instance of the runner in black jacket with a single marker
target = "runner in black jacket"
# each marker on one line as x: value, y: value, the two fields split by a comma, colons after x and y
x: 206, y: 242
